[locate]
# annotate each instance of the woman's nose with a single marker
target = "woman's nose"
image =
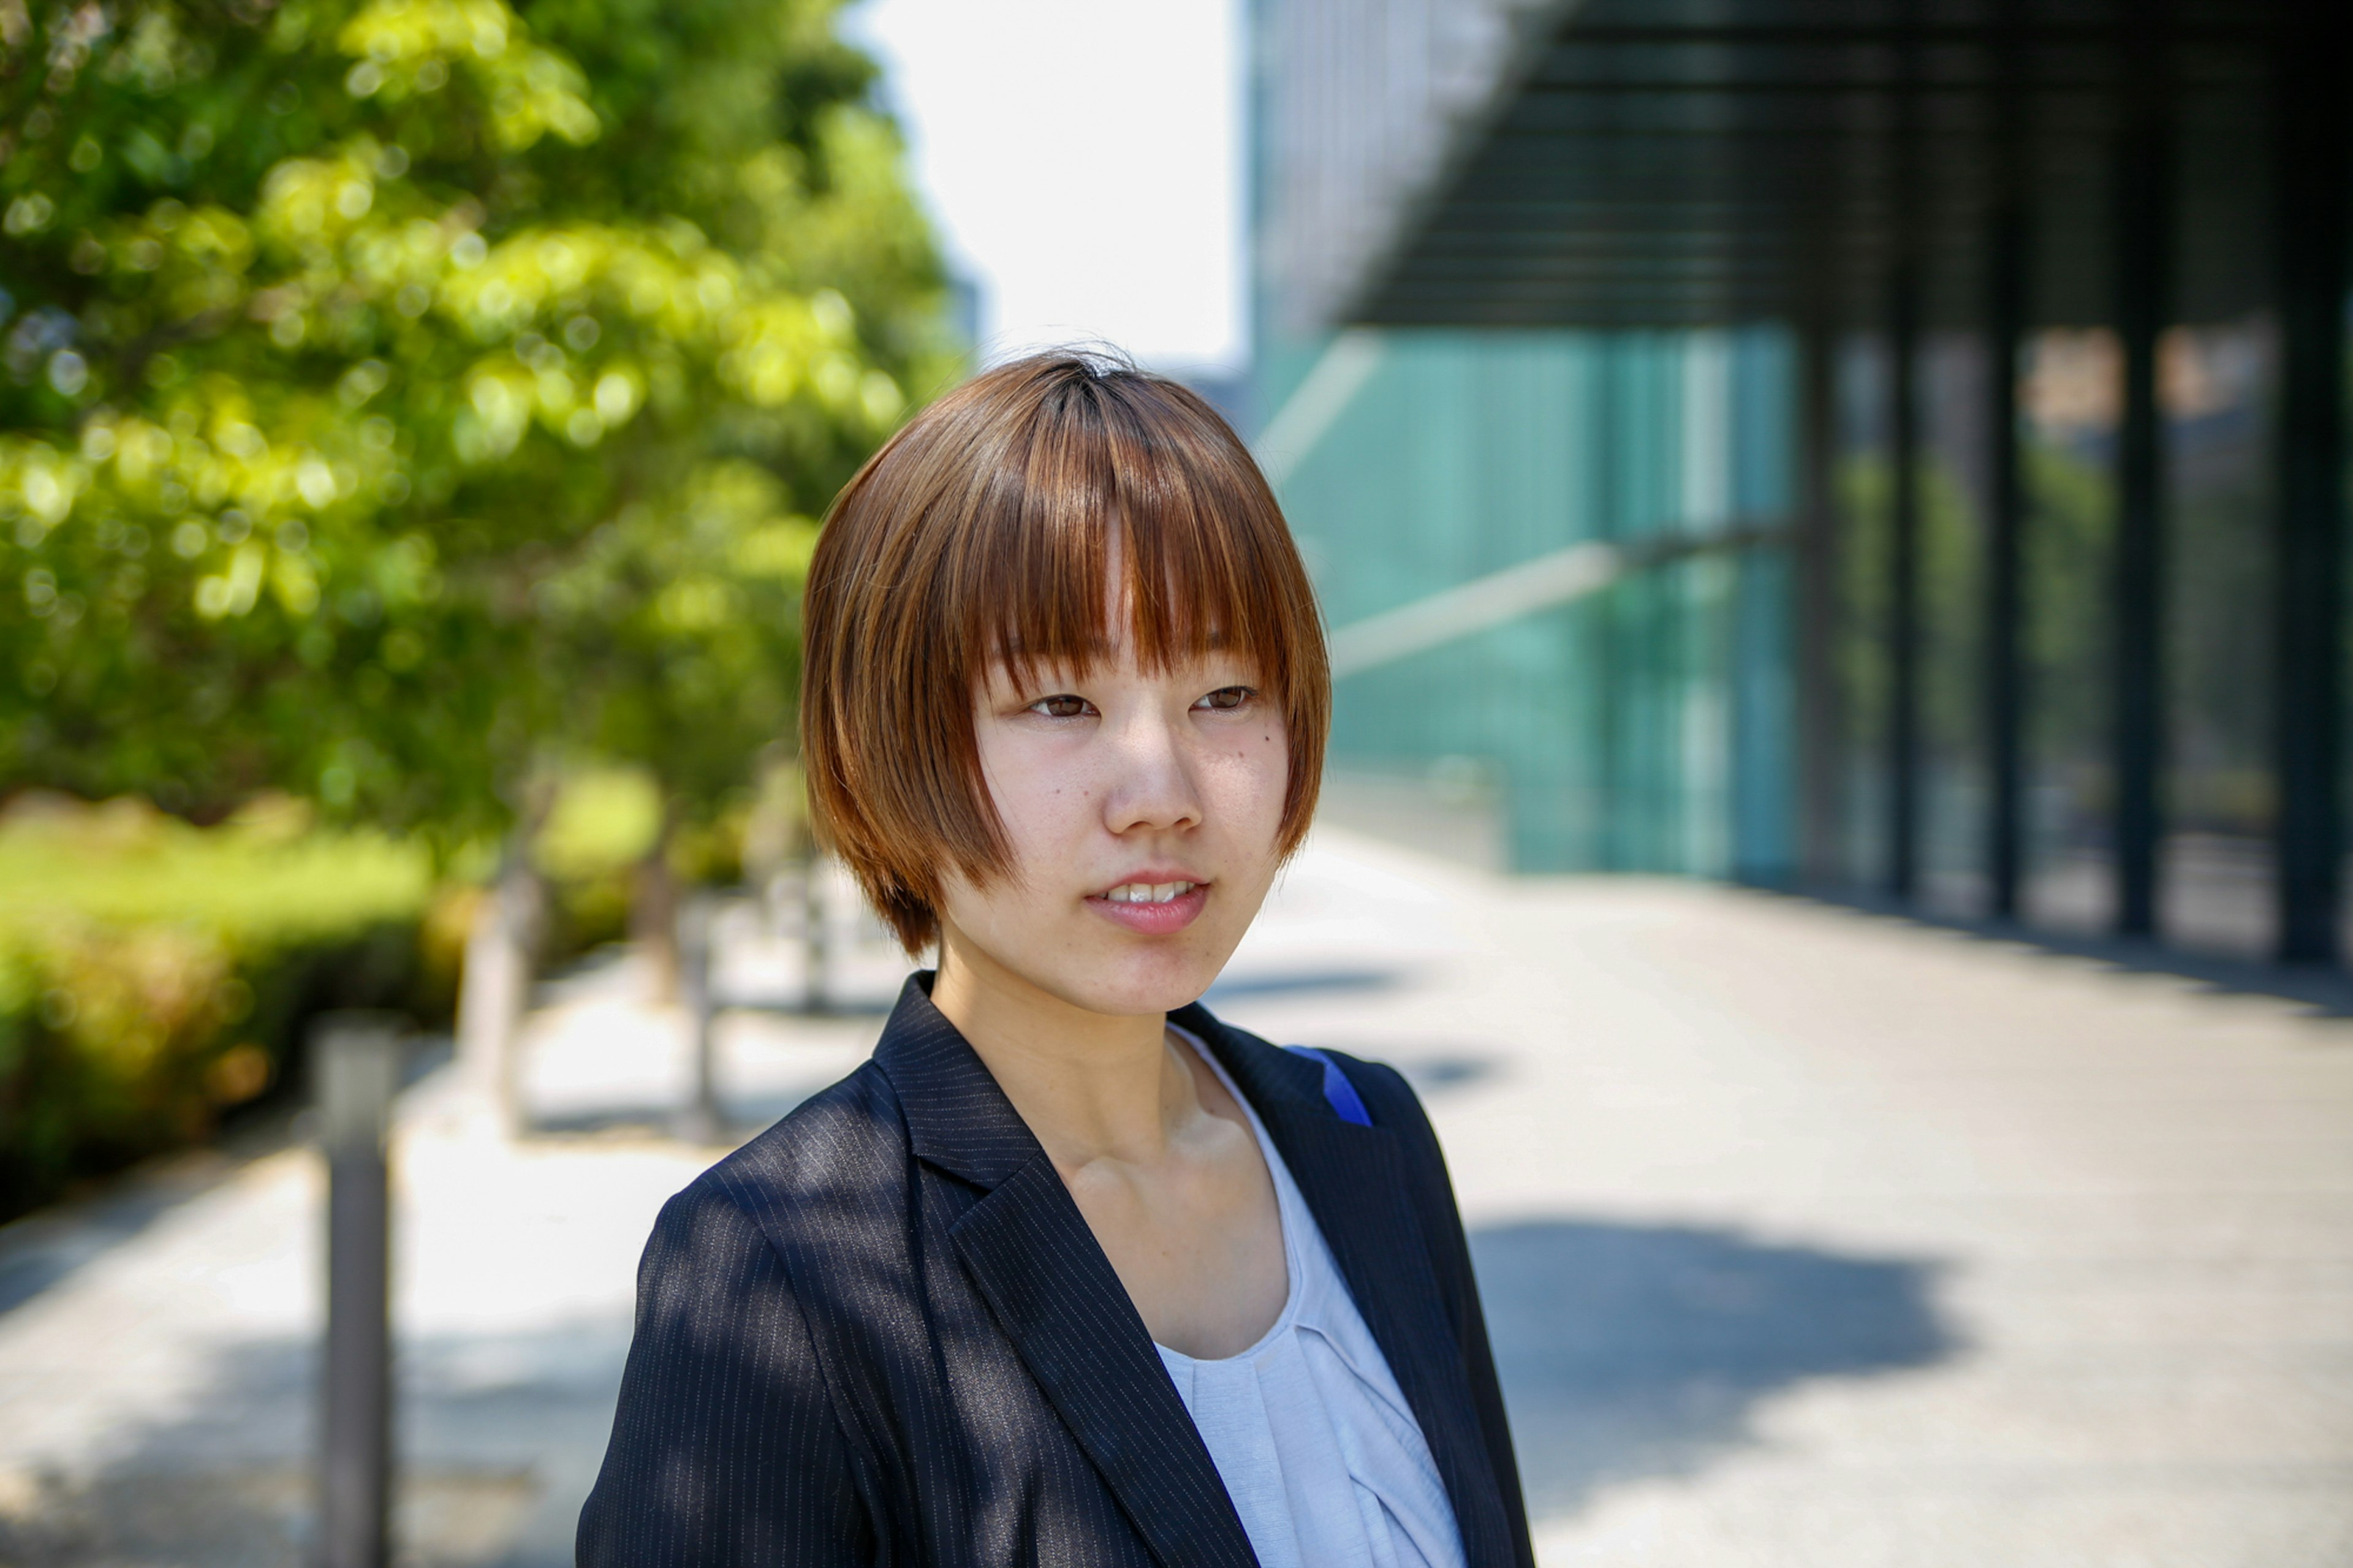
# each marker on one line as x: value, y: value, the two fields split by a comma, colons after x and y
x: 1153, y: 786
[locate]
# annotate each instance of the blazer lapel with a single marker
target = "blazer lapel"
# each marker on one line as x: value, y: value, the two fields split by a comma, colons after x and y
x: 1353, y: 1180
x: 1029, y: 1252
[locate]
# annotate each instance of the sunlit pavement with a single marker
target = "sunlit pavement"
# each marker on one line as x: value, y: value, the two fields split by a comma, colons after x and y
x: 1808, y: 1237
x: 1814, y: 1238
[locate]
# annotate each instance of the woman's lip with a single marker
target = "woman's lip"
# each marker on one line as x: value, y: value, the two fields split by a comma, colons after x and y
x: 1156, y: 875
x: 1155, y: 920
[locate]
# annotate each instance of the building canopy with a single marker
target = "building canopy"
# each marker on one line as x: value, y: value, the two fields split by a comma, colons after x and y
x: 1670, y: 162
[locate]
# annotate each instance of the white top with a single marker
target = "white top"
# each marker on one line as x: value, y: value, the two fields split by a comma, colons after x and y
x: 1312, y: 1437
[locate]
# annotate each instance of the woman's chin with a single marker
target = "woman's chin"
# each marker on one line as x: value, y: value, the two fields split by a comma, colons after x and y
x: 1100, y: 966
x: 1132, y: 983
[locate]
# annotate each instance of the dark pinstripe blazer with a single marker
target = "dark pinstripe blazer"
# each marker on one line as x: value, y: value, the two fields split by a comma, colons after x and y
x: 881, y: 1332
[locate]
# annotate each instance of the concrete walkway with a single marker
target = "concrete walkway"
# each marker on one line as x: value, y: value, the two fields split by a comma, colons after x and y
x: 1807, y: 1237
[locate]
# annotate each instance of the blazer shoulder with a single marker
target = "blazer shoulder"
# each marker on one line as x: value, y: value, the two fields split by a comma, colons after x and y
x: 1394, y: 1107
x: 843, y: 1151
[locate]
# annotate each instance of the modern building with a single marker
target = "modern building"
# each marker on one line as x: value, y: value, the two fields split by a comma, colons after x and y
x: 1890, y: 445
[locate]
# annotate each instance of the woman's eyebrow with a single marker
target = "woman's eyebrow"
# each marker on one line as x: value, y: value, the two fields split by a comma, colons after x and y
x: 1015, y: 662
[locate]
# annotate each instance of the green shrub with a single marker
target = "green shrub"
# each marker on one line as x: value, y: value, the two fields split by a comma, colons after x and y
x: 154, y: 973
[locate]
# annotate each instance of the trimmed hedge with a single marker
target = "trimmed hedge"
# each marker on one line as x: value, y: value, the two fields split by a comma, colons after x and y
x: 154, y: 975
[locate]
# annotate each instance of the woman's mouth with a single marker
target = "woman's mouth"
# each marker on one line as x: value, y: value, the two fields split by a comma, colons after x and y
x: 1154, y: 908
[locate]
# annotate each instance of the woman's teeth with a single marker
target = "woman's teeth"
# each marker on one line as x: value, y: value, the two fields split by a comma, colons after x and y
x: 1148, y: 892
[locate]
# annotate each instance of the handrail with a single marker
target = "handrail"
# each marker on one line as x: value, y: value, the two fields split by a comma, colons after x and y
x: 1541, y: 583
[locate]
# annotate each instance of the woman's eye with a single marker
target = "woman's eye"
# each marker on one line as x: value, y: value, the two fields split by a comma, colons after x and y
x: 1063, y: 707
x: 1226, y: 699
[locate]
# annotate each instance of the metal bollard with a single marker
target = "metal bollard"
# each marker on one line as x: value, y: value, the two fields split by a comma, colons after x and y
x: 355, y: 1063
x: 698, y: 1120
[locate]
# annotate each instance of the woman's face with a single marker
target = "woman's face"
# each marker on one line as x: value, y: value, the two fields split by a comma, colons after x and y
x: 1142, y: 810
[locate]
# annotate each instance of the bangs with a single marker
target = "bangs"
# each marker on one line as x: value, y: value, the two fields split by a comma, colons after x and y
x: 1122, y: 529
x: 1009, y: 525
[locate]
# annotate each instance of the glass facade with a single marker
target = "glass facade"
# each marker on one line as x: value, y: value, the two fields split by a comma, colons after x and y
x: 1642, y: 726
x: 1651, y: 725
x: 1843, y: 451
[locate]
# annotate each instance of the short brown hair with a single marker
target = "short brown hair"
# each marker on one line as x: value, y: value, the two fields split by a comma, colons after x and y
x: 985, y: 531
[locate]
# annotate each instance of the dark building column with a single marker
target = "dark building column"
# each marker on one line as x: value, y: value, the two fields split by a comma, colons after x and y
x: 1904, y: 582
x: 2311, y: 86
x: 1817, y: 605
x: 1613, y: 652
x: 2144, y: 235
x: 1906, y: 281
x: 2005, y: 614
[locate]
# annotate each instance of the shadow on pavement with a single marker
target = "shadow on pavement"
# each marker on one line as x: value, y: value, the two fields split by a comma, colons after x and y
x: 744, y: 1114
x: 1626, y: 1352
x: 39, y: 1249
x: 501, y: 1438
x: 1229, y: 987
x: 1637, y: 1351
x: 1438, y: 1071
x: 255, y: 1517
x: 2324, y: 988
x: 42, y: 1248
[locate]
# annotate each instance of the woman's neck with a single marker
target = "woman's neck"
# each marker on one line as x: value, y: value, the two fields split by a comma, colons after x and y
x: 1090, y: 1085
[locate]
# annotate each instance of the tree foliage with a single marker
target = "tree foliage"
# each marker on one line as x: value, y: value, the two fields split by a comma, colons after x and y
x: 391, y: 390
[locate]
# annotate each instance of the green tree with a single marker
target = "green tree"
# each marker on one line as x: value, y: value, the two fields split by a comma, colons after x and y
x: 394, y: 390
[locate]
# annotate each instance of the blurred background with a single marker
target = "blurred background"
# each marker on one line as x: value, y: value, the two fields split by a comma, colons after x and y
x: 1831, y: 515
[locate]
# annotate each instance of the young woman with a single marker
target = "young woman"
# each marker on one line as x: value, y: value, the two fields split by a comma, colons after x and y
x: 1070, y: 1272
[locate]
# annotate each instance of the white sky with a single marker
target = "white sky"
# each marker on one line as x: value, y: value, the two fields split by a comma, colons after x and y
x: 1083, y: 161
